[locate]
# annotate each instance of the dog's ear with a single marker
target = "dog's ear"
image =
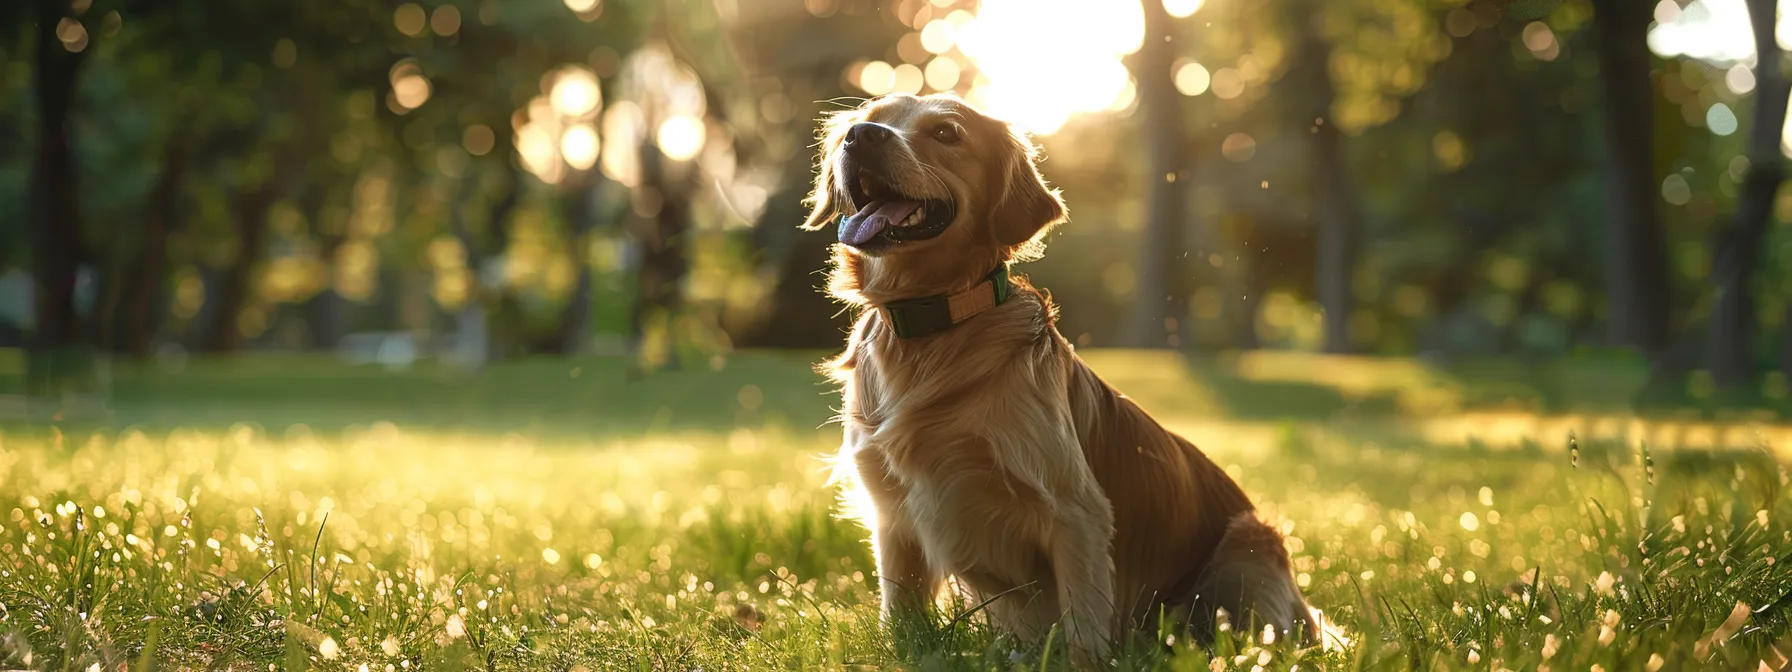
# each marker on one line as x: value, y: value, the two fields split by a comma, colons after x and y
x: 823, y: 200
x: 1027, y: 207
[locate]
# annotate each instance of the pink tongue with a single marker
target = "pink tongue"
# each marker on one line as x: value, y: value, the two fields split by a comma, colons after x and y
x: 874, y: 218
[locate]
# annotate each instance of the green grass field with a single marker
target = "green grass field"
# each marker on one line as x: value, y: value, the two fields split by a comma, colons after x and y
x: 545, y: 515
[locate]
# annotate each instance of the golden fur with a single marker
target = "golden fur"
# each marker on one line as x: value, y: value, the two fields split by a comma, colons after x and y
x: 990, y: 453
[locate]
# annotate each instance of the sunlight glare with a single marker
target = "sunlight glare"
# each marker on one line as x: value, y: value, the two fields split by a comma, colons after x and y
x: 1047, y: 60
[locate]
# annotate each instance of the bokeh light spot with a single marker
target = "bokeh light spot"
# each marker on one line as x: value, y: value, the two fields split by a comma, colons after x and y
x: 877, y: 78
x: 575, y: 92
x: 1182, y: 9
x: 579, y: 145
x: 908, y: 79
x: 1720, y: 119
x: 681, y: 137
x: 72, y: 34
x: 1675, y: 190
x: 942, y: 74
x: 1740, y: 79
x: 1192, y: 79
x: 1238, y: 147
x: 445, y: 21
x: 938, y: 36
x: 478, y: 139
x: 409, y: 19
x: 1227, y: 84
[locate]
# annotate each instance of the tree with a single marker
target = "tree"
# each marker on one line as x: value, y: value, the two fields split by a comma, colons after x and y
x: 55, y: 220
x: 1160, y: 306
x: 1737, y: 258
x: 1339, y: 218
x: 1637, y: 278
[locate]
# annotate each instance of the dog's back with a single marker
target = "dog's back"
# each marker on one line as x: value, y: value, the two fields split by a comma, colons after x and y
x: 1186, y: 538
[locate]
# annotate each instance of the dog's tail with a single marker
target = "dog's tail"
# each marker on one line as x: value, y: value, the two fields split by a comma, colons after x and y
x: 1251, y: 578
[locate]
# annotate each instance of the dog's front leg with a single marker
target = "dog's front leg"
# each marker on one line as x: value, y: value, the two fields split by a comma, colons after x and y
x: 906, y: 585
x: 1082, y: 560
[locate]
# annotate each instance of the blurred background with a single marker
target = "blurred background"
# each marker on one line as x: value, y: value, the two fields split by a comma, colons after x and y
x: 1533, y: 203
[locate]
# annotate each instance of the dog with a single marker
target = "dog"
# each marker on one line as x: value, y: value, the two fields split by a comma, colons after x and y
x: 979, y: 448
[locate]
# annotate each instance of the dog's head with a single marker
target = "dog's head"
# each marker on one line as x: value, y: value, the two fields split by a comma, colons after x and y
x: 934, y: 194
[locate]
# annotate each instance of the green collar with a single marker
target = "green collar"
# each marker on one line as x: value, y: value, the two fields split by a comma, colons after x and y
x: 929, y: 315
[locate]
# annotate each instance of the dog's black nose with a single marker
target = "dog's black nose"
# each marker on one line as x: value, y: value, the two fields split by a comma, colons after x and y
x: 866, y: 135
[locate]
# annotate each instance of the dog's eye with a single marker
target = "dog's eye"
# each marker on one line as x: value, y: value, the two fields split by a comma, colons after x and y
x: 946, y: 133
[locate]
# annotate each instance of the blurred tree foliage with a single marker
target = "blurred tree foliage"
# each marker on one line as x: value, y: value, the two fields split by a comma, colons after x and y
x: 1447, y: 177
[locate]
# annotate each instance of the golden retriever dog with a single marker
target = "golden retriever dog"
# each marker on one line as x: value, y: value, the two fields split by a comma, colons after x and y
x: 987, y: 452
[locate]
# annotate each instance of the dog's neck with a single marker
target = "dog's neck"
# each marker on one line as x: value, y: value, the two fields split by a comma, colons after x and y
x: 921, y: 296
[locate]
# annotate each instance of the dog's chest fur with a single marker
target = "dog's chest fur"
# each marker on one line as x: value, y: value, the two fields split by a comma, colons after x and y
x: 971, y: 467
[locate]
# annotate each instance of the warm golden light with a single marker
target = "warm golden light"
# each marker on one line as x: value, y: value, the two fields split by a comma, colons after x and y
x: 1182, y: 8
x: 623, y: 122
x: 445, y: 21
x: 581, y: 6
x: 409, y: 19
x: 410, y: 90
x: 72, y: 34
x: 535, y: 145
x: 579, y: 145
x: 1046, y: 60
x: 877, y: 78
x: 908, y: 79
x: 478, y: 139
x: 939, y: 36
x: 680, y: 138
x: 942, y: 74
x: 1192, y: 78
x: 575, y: 92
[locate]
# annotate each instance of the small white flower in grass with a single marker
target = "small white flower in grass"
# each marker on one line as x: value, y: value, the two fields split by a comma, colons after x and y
x: 1596, y: 668
x: 1603, y: 584
x: 1612, y: 619
x: 389, y: 646
x: 1607, y: 635
x: 1263, y: 658
x: 1551, y: 644
x: 457, y: 628
x: 328, y: 648
x: 1217, y: 665
x: 362, y: 668
x: 1655, y: 662
x: 1269, y: 637
x: 1474, y: 656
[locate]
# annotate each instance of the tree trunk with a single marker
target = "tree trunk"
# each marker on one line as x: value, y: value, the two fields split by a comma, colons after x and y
x: 1636, y: 259
x: 477, y: 341
x: 224, y: 334
x: 575, y: 319
x: 55, y: 213
x: 1730, y: 353
x: 1338, y: 215
x: 1161, y: 303
x: 136, y: 311
x: 662, y: 238
x: 1786, y: 344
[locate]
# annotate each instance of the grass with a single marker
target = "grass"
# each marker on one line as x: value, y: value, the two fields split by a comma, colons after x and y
x: 281, y: 514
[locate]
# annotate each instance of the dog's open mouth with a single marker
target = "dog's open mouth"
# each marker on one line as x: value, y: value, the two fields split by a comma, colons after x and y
x: 886, y: 217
